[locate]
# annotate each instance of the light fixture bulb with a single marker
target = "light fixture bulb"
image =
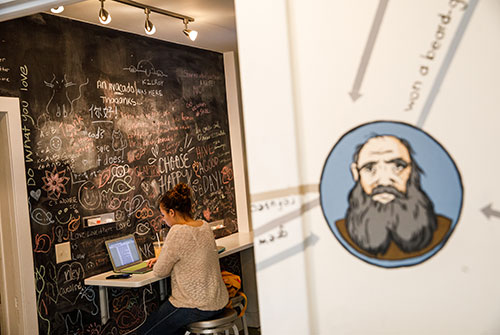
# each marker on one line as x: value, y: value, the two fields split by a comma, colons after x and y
x: 192, y: 34
x: 149, y: 27
x: 104, y: 16
x: 57, y: 10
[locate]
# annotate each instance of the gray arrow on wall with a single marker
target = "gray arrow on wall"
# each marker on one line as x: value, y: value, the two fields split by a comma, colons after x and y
x: 446, y: 62
x: 377, y: 22
x: 311, y: 240
x: 489, y: 212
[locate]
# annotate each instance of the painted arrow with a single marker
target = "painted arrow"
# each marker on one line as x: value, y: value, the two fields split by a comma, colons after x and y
x: 377, y: 22
x: 298, y: 248
x: 489, y: 212
x: 446, y: 62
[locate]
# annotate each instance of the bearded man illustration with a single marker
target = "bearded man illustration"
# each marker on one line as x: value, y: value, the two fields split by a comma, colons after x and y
x: 389, y: 215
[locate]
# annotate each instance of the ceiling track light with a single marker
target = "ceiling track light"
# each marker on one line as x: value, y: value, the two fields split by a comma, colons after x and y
x: 57, y: 10
x: 149, y: 27
x: 192, y: 34
x: 104, y: 16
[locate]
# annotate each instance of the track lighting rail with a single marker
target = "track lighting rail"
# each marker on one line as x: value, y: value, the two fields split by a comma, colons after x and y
x: 156, y: 10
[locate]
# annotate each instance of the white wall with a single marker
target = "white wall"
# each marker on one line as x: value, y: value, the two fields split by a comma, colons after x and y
x: 298, y: 64
x: 272, y: 163
x: 237, y: 139
x: 240, y: 183
x: 17, y: 284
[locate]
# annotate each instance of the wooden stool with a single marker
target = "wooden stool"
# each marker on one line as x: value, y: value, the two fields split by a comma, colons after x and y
x: 224, y: 323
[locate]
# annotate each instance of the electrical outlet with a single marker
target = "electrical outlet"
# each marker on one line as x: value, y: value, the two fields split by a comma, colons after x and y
x: 63, y: 252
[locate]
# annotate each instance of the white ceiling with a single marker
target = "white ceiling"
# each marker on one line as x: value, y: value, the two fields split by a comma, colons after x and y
x: 214, y: 19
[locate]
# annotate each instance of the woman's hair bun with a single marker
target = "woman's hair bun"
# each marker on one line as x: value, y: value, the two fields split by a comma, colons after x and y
x: 179, y: 198
x: 183, y: 189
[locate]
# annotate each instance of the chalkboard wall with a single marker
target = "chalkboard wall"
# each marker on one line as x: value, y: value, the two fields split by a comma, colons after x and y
x: 110, y: 121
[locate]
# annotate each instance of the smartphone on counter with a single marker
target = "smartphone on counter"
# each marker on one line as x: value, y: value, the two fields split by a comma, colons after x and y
x: 119, y: 276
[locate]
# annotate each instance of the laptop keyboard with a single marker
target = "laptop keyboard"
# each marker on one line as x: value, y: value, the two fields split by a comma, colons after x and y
x: 138, y: 268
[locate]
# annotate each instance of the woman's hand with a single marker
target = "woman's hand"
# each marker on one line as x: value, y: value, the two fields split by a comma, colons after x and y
x: 152, y: 261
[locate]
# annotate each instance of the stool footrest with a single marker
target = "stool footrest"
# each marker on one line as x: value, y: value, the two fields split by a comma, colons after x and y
x: 227, y: 317
x: 220, y: 329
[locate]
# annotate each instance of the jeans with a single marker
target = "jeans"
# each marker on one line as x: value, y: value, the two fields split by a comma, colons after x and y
x: 170, y: 320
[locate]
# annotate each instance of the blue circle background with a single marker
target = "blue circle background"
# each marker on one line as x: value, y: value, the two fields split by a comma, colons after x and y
x: 440, y: 180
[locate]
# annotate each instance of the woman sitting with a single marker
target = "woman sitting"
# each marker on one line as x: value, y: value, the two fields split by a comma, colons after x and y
x: 190, y: 257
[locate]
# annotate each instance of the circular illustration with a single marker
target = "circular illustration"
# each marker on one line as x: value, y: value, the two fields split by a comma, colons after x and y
x: 391, y: 194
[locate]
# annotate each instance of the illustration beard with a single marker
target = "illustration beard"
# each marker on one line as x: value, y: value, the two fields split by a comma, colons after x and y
x: 408, y: 220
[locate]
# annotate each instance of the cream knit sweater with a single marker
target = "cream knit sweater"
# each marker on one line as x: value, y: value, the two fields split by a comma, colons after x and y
x: 190, y: 257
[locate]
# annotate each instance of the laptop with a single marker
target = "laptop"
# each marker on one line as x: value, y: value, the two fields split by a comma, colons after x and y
x: 125, y: 256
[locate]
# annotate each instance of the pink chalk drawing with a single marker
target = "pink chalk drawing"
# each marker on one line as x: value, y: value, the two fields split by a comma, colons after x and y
x: 55, y: 182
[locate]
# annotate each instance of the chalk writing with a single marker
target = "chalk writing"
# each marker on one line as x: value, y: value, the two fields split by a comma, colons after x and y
x: 109, y: 132
x: 4, y: 71
x: 429, y: 56
x: 279, y: 204
x: 146, y: 67
x: 281, y: 233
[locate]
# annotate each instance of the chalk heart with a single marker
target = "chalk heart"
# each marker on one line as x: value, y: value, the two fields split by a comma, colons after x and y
x: 36, y: 194
x: 70, y: 281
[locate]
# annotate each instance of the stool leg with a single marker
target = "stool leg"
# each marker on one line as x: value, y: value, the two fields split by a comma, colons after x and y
x: 235, y: 330
x: 244, y: 322
x: 187, y: 332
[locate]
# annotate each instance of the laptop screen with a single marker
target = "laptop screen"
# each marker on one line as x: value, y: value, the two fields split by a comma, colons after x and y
x: 123, y: 251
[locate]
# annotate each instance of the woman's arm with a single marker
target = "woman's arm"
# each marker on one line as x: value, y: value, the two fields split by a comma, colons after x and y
x: 169, y: 254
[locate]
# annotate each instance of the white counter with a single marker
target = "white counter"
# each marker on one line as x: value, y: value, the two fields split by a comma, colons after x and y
x: 233, y: 243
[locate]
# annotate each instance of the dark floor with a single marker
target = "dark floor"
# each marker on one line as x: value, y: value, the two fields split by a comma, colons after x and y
x: 253, y: 331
